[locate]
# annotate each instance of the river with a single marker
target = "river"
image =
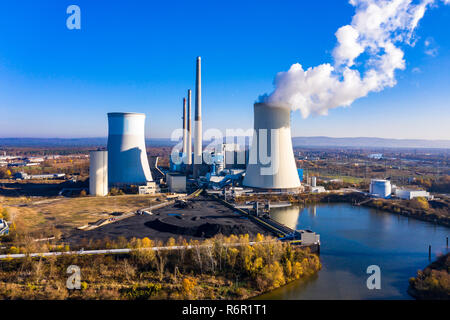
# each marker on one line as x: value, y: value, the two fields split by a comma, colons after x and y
x: 354, y: 238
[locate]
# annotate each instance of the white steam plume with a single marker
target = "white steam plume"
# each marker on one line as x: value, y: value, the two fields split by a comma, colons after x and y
x: 376, y: 28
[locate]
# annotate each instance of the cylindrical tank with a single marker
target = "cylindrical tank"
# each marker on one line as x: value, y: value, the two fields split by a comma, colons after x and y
x: 127, y: 155
x: 313, y: 181
x: 98, y: 173
x: 380, y: 188
x: 271, y: 163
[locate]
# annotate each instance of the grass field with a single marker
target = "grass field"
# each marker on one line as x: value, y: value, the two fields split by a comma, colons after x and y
x: 42, y: 216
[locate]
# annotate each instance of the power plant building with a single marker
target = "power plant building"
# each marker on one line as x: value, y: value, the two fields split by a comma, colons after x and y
x: 176, y: 182
x: 127, y: 155
x: 98, y: 173
x: 272, y: 137
x: 411, y: 194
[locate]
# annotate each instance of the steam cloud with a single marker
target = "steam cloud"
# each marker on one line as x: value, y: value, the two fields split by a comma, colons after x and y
x: 376, y: 28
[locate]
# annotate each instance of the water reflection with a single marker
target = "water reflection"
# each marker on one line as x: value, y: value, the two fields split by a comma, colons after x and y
x: 287, y: 216
x: 352, y: 239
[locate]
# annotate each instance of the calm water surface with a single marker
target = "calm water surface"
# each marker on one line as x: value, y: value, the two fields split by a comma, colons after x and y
x: 354, y: 238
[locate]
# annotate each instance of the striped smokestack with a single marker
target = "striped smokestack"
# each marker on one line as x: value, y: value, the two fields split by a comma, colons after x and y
x: 184, y: 127
x: 198, y: 120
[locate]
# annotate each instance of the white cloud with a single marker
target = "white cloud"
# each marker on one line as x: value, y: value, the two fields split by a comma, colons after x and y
x: 431, y: 48
x: 377, y: 27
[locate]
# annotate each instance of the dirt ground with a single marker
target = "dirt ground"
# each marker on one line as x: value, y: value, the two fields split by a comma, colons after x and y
x: 42, y: 216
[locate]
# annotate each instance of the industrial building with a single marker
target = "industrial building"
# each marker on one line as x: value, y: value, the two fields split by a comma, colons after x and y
x: 26, y: 176
x: 318, y: 189
x: 176, y: 182
x: 149, y: 188
x: 411, y: 194
x: 98, y: 173
x: 272, y: 133
x: 380, y: 188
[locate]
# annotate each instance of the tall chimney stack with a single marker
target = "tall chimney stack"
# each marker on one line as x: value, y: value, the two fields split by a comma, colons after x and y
x: 184, y: 127
x: 198, y: 120
x: 189, y: 133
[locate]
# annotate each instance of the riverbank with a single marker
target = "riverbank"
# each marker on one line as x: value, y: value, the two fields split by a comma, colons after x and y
x: 434, y: 211
x: 432, y: 283
x: 430, y: 211
x: 353, y: 238
x: 217, y: 268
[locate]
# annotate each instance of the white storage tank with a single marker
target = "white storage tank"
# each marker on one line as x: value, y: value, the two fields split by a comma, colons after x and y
x: 380, y: 188
x: 98, y: 173
x: 272, y: 138
x: 127, y: 155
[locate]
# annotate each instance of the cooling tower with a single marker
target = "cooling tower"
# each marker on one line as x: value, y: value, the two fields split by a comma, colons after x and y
x: 127, y: 156
x: 98, y: 173
x: 271, y: 162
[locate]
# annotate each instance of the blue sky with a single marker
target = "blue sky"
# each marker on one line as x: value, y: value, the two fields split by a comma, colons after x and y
x: 139, y: 56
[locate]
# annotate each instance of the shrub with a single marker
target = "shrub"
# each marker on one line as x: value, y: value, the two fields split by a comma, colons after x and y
x: 188, y: 286
x: 141, y: 293
x: 420, y: 202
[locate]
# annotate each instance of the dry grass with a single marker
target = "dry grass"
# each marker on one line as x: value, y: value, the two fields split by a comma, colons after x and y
x: 37, y: 216
x: 212, y: 269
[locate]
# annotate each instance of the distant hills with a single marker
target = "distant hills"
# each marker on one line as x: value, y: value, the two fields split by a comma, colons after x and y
x: 359, y: 142
x: 368, y: 142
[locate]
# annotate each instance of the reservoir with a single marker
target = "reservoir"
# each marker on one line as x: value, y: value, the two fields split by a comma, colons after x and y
x: 354, y: 238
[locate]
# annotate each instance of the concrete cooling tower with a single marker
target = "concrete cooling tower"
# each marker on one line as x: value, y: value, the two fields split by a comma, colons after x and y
x: 98, y: 173
x: 271, y: 163
x: 127, y: 156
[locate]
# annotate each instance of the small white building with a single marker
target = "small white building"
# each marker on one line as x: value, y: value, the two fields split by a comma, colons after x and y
x: 318, y: 189
x: 176, y: 182
x: 411, y: 194
x: 380, y: 188
x: 376, y: 156
x: 149, y: 188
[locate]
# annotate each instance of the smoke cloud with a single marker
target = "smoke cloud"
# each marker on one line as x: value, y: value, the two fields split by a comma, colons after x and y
x: 376, y: 30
